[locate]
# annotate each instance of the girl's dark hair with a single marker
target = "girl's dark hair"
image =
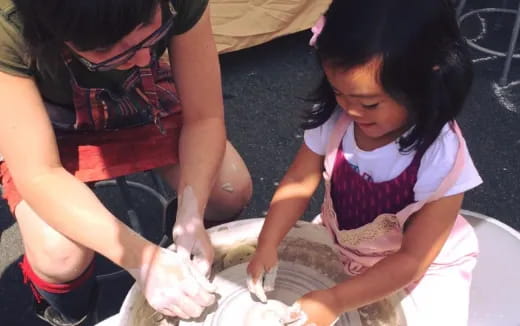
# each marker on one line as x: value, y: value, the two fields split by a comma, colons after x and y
x: 425, y: 62
x: 87, y: 24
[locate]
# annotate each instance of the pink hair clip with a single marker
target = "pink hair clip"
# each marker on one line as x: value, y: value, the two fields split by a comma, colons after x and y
x: 316, y: 30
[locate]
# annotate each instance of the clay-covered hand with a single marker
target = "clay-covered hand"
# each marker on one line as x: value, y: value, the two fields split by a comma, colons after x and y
x: 192, y: 241
x: 173, y: 286
x: 319, y: 308
x: 274, y: 313
x: 261, y: 272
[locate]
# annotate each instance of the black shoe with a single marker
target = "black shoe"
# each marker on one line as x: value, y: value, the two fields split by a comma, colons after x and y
x: 53, y: 317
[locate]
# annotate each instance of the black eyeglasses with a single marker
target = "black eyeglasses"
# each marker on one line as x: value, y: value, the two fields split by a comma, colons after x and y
x: 123, y: 57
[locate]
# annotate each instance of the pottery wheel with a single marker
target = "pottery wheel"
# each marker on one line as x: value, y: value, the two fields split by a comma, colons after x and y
x: 235, y: 303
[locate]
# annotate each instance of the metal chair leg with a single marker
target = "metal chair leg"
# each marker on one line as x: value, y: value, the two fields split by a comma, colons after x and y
x: 159, y: 184
x: 169, y: 214
x: 131, y: 213
x: 512, y: 46
x: 124, y: 187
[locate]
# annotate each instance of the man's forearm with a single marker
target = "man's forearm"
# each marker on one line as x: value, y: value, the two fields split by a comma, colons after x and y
x: 71, y: 208
x: 202, y: 147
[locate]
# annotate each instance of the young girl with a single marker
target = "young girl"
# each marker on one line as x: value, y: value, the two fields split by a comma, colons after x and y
x: 394, y: 162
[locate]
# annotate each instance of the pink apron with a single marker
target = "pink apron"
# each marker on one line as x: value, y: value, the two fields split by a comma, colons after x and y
x: 442, y: 295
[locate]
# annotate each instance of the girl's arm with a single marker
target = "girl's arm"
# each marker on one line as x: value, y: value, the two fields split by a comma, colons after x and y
x: 194, y: 60
x: 288, y: 204
x: 424, y: 237
x: 292, y: 197
x: 28, y: 145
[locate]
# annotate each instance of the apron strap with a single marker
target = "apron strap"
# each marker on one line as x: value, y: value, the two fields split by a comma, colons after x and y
x: 148, y: 82
x: 332, y: 146
x: 446, y: 184
x: 456, y: 170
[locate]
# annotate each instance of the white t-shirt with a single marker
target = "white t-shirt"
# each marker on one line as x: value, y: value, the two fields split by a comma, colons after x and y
x: 386, y: 163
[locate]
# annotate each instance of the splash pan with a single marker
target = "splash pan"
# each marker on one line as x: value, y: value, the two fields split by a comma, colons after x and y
x: 236, y: 304
x: 308, y: 261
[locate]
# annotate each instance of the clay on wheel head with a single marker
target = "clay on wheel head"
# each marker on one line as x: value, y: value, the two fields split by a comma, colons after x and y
x: 266, y: 314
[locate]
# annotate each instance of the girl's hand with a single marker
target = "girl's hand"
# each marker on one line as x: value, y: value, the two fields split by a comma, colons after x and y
x: 264, y: 261
x: 320, y: 308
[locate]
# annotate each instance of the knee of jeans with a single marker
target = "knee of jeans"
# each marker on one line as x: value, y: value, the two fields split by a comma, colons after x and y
x: 59, y: 262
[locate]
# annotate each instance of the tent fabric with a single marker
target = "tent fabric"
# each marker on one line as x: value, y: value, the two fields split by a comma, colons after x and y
x: 239, y: 24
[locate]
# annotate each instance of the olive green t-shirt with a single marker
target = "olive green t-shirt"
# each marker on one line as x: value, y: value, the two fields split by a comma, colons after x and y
x: 55, y: 88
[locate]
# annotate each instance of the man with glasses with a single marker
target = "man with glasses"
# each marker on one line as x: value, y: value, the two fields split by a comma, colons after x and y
x: 86, y: 95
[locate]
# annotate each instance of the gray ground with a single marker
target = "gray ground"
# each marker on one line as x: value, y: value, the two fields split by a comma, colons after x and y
x: 264, y: 88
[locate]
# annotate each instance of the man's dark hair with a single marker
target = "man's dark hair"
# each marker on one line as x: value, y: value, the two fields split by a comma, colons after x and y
x: 87, y: 24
